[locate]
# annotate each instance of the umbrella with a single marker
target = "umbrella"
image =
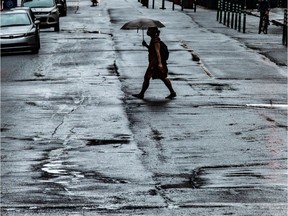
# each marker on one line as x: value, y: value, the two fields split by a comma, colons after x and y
x: 142, y: 23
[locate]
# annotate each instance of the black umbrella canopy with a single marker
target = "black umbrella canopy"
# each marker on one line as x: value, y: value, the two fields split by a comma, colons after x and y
x: 142, y: 23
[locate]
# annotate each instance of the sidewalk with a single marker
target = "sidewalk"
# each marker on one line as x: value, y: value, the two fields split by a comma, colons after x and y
x: 276, y: 15
x: 269, y: 45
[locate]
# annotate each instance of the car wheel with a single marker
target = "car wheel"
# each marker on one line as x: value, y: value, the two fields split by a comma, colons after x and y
x: 57, y: 27
x: 36, y: 49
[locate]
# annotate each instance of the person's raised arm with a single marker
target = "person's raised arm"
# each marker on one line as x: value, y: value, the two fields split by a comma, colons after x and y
x: 145, y: 44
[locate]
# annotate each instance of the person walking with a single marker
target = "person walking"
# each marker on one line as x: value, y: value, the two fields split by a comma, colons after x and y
x: 157, y: 67
x: 94, y: 2
x: 263, y: 8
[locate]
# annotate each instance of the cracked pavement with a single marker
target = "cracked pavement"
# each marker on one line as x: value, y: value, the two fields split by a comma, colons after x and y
x: 74, y: 141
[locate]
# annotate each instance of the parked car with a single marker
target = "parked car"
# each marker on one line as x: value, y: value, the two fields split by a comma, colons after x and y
x: 19, y: 31
x: 46, y: 11
x: 62, y: 8
x: 28, y: 9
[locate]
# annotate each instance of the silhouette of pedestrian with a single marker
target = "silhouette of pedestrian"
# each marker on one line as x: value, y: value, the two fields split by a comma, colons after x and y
x: 157, y: 68
x: 94, y: 2
x: 264, y: 8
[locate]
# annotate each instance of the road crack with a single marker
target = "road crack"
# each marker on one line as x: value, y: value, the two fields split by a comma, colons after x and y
x: 62, y: 122
x: 196, y: 58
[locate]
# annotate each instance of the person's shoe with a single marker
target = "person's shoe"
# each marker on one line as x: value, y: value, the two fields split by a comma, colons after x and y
x: 140, y: 96
x: 172, y: 95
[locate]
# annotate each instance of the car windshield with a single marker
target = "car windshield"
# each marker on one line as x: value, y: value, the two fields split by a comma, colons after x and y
x: 15, y: 19
x: 38, y: 3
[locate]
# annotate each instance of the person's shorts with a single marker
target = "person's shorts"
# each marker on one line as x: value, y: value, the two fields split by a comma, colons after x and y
x: 156, y: 73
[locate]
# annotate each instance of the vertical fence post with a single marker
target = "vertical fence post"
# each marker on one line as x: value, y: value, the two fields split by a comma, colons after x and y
x: 232, y: 17
x: 163, y: 5
x: 218, y: 10
x: 195, y: 2
x: 221, y: 10
x: 228, y: 15
x: 182, y: 5
x: 239, y: 18
x: 244, y: 18
x: 225, y: 12
x: 284, y: 36
x: 173, y: 5
x: 236, y: 16
x: 145, y: 3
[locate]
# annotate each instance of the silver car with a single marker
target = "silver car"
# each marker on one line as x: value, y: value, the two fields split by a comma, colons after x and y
x: 46, y: 11
x: 19, y: 31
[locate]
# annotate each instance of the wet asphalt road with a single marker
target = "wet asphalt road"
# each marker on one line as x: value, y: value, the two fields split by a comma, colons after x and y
x: 74, y: 141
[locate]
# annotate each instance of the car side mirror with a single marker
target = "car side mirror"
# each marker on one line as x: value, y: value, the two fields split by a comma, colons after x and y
x: 37, y: 22
x: 59, y: 5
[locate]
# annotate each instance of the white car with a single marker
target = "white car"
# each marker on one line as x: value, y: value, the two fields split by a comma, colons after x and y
x: 46, y: 11
x: 19, y: 31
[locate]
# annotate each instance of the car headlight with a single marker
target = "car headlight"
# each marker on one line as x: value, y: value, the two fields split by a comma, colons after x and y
x: 31, y: 33
x: 54, y: 11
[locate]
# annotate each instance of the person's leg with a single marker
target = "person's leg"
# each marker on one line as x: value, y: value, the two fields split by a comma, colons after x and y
x: 260, y: 23
x: 145, y: 86
x: 168, y: 84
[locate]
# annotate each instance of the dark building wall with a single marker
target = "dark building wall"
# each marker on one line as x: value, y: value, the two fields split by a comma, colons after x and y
x: 208, y: 3
x: 251, y: 4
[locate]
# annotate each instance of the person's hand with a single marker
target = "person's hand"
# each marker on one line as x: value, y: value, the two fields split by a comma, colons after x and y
x: 160, y: 66
x: 144, y: 43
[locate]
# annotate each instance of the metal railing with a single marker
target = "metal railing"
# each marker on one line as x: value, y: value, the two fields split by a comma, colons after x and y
x: 232, y: 14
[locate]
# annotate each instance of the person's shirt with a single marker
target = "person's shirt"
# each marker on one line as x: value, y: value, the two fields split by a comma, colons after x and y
x: 264, y: 6
x: 152, y: 51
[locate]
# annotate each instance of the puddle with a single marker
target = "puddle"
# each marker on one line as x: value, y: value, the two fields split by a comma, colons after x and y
x: 4, y: 129
x: 245, y: 173
x: 104, y: 179
x: 194, y: 180
x: 113, y: 69
x: 156, y: 135
x: 39, y: 79
x: 85, y: 31
x: 219, y: 87
x: 96, y: 142
x: 276, y: 106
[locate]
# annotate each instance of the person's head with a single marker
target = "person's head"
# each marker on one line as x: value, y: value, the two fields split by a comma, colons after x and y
x: 153, y: 31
